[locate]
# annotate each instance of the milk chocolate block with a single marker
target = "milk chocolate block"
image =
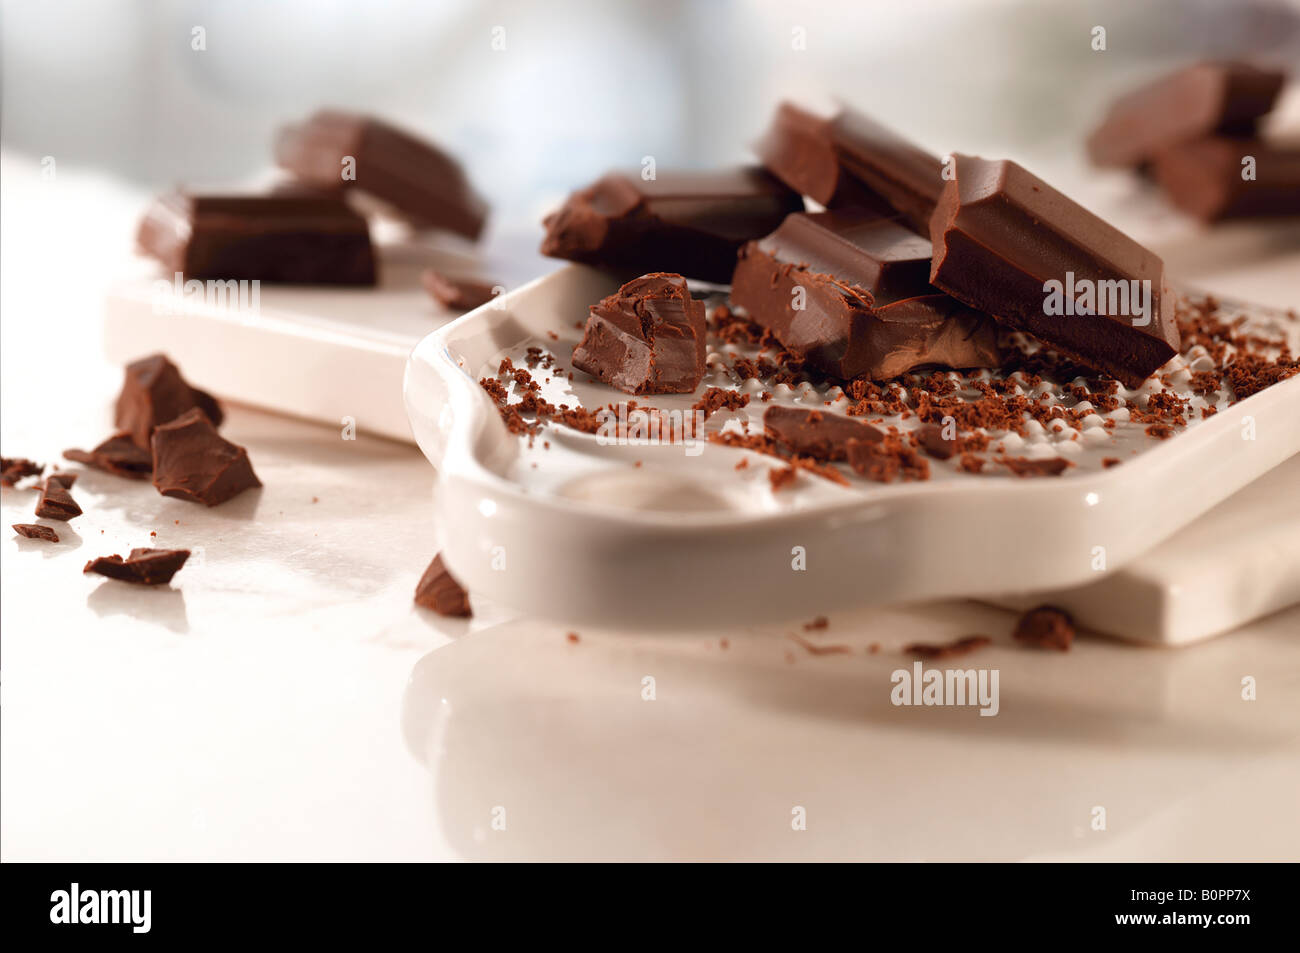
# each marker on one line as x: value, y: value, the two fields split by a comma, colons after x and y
x: 153, y: 392
x: 296, y: 239
x: 814, y: 286
x: 1204, y: 178
x: 819, y: 434
x: 1009, y: 244
x: 191, y: 461
x: 687, y: 223
x: 143, y: 567
x: 411, y: 177
x: 648, y: 338
x: 798, y: 149
x: 904, y: 175
x: 1189, y: 104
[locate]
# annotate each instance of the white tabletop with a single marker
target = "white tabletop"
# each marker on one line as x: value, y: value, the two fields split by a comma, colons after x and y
x: 284, y: 699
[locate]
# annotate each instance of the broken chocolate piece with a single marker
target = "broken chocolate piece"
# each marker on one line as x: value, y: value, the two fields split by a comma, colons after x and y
x: 459, y: 294
x: 1046, y: 627
x: 907, y: 177
x: 56, y: 503
x: 822, y: 435
x: 143, y: 567
x: 960, y: 646
x: 36, y: 531
x: 438, y: 590
x: 411, y: 177
x: 299, y: 238
x: 798, y: 149
x: 1026, y: 467
x: 648, y: 338
x: 932, y: 441
x: 1207, y: 178
x: 1007, y: 243
x: 1196, y: 101
x: 153, y: 392
x: 886, y: 458
x: 688, y: 223
x: 13, y: 469
x: 118, y: 455
x: 191, y: 461
x: 813, y: 284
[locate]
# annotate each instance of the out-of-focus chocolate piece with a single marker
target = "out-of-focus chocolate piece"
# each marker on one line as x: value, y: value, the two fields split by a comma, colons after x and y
x: 411, y: 177
x: 13, y: 469
x: 962, y: 646
x: 812, y: 282
x: 438, y: 590
x: 1046, y: 627
x: 143, y: 567
x: 798, y: 149
x: 1205, y: 178
x: 904, y: 175
x: 886, y: 457
x: 1031, y: 467
x: 931, y: 439
x: 118, y: 455
x: 56, y: 503
x: 648, y: 338
x: 1196, y: 101
x: 1009, y: 244
x: 459, y: 294
x: 191, y: 461
x: 292, y: 238
x: 36, y: 531
x: 153, y: 392
x: 820, y: 434
x: 688, y: 223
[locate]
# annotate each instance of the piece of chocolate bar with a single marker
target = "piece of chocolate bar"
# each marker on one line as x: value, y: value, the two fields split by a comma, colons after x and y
x: 688, y: 223
x: 118, y: 455
x: 56, y: 503
x: 191, y: 461
x: 438, y: 590
x: 299, y: 239
x: 1197, y: 101
x: 820, y: 434
x: 648, y: 338
x: 1208, y: 178
x: 153, y: 392
x: 36, y: 531
x: 812, y: 282
x: 13, y: 469
x: 143, y: 567
x: 1009, y: 244
x: 412, y: 178
x: 459, y: 294
x: 798, y: 149
x: 904, y: 175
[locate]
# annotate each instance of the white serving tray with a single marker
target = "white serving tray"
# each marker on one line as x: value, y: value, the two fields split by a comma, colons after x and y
x: 590, y: 537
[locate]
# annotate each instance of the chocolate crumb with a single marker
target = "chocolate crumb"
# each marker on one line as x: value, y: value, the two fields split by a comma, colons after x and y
x: 821, y: 622
x: 782, y: 477
x: 1046, y: 627
x: 573, y: 637
x: 813, y: 648
x: 1109, y: 462
x: 960, y: 646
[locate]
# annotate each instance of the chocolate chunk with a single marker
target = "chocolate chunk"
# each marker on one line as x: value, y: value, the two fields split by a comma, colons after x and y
x: 153, y: 392
x: 688, y: 223
x: 1007, y: 243
x: 36, y: 531
x: 648, y: 338
x: 1026, y: 467
x: 886, y: 458
x: 813, y: 282
x: 56, y: 503
x: 13, y: 469
x: 822, y: 435
x: 932, y: 441
x: 960, y: 646
x: 191, y: 461
x: 438, y: 590
x: 117, y: 455
x: 411, y: 177
x: 67, y: 479
x: 1196, y: 101
x: 298, y: 238
x: 1046, y: 627
x: 1206, y: 178
x: 907, y: 177
x: 143, y: 567
x: 798, y: 149
x: 456, y: 293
